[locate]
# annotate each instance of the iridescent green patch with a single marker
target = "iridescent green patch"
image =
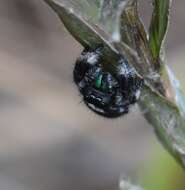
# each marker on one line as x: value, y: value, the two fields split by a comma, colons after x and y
x: 98, y: 81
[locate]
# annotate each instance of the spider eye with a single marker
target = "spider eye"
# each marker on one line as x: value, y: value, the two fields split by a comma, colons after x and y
x: 102, y: 92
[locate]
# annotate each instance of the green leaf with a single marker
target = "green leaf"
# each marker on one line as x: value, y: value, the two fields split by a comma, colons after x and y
x: 91, y: 35
x: 158, y: 27
x: 167, y: 120
x: 104, y: 13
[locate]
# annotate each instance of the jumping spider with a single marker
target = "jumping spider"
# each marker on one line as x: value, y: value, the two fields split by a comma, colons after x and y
x: 105, y: 94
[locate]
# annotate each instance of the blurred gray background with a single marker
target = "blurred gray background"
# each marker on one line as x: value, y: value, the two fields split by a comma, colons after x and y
x: 48, y: 139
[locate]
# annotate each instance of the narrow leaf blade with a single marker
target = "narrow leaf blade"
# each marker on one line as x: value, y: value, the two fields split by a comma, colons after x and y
x: 158, y: 27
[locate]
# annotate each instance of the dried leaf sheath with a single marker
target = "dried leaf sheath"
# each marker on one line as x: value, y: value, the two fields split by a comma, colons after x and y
x: 134, y: 34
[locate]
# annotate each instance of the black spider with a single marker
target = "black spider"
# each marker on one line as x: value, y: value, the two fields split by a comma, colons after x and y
x: 102, y: 92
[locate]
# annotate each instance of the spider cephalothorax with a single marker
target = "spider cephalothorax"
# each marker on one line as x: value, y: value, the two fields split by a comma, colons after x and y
x: 102, y: 92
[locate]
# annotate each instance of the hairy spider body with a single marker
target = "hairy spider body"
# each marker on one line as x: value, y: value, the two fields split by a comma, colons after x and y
x: 105, y: 94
